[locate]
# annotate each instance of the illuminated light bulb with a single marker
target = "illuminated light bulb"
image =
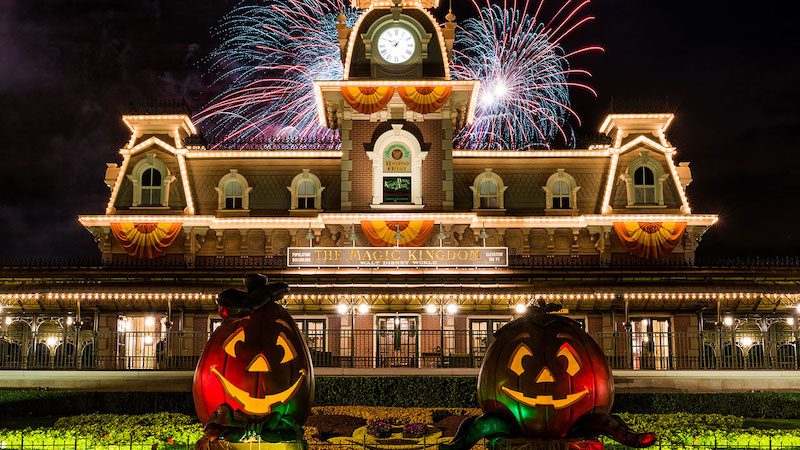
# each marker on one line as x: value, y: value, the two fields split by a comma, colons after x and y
x: 341, y: 309
x: 363, y: 308
x: 8, y: 320
x: 431, y: 308
x: 69, y: 320
x: 790, y: 321
x: 397, y: 321
x: 452, y: 309
x: 728, y: 321
x: 645, y: 322
x: 747, y: 341
x: 520, y: 308
x: 148, y: 340
x: 51, y: 342
x: 149, y: 322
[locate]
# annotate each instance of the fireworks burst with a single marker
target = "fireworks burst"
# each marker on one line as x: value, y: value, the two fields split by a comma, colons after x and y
x: 523, y: 101
x: 269, y: 57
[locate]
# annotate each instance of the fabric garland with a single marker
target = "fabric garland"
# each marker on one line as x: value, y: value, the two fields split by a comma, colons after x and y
x: 650, y: 240
x: 367, y: 100
x: 145, y: 240
x: 382, y: 233
x: 424, y: 99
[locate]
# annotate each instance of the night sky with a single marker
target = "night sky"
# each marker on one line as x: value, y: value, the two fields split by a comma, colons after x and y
x: 69, y: 68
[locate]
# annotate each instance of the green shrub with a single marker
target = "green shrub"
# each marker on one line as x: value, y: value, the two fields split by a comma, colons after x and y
x: 404, y: 391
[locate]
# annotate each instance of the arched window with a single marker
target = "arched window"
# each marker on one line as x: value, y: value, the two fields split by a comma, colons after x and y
x: 397, y: 170
x: 561, y: 192
x: 644, y: 186
x: 306, y: 191
x: 561, y: 195
x: 488, y: 194
x: 233, y: 195
x: 488, y: 191
x: 150, y: 178
x: 306, y: 194
x: 645, y: 180
x: 233, y: 192
x: 151, y: 188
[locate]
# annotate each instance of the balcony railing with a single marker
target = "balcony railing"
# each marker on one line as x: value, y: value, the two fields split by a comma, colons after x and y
x: 364, y: 349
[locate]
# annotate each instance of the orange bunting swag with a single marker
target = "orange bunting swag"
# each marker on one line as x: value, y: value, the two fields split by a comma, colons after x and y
x: 381, y: 233
x: 368, y: 100
x: 145, y: 240
x: 650, y: 240
x: 424, y: 99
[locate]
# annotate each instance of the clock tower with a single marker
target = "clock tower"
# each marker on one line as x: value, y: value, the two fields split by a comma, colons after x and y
x: 396, y: 107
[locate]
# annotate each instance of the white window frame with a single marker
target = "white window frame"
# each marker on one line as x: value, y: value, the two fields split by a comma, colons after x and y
x: 397, y: 136
x: 659, y: 176
x: 488, y: 175
x: 150, y: 162
x: 306, y: 175
x: 234, y: 175
x: 561, y: 175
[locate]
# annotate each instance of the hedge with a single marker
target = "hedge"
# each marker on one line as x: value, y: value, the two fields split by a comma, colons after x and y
x: 406, y: 391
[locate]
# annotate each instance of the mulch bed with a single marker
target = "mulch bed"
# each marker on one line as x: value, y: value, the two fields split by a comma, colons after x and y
x: 449, y: 425
x: 335, y: 425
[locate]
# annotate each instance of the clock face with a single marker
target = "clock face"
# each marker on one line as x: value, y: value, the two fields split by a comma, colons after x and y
x: 396, y: 45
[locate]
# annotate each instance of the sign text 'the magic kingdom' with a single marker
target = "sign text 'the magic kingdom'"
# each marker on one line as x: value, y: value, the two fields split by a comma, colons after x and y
x: 397, y: 257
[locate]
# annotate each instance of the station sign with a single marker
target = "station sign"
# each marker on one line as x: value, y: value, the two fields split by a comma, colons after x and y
x: 397, y: 257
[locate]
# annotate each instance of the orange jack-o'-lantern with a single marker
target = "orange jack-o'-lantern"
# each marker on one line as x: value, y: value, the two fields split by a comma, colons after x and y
x: 543, y: 377
x: 544, y: 372
x: 256, y: 368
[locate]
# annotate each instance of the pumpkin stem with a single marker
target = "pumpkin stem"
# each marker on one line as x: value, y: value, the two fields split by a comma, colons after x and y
x: 234, y: 303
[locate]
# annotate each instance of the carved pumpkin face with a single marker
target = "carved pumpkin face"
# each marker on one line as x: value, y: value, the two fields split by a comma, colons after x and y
x: 259, y: 365
x: 543, y: 372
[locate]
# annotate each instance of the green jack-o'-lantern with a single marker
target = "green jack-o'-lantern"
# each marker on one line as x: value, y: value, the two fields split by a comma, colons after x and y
x: 254, y: 379
x: 543, y: 377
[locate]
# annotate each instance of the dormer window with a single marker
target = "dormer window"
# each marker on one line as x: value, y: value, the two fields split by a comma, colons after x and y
x: 488, y: 195
x: 561, y: 192
x: 151, y: 188
x: 306, y: 191
x: 561, y: 195
x: 644, y: 186
x: 488, y: 191
x: 233, y: 192
x: 645, y: 180
x: 150, y: 178
x: 306, y: 195
x: 233, y: 195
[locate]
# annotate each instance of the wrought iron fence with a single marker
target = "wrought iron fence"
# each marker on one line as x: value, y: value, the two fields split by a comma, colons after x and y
x: 397, y: 348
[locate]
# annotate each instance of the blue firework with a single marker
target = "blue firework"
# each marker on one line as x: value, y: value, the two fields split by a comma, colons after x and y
x: 270, y: 55
x: 524, y: 98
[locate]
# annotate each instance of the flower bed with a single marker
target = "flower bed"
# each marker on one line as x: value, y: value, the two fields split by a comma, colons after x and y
x: 169, y: 430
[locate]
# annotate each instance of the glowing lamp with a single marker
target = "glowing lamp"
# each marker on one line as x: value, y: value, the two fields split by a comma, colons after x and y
x: 728, y: 321
x: 790, y: 321
x: 51, y: 341
x: 149, y: 322
x: 747, y: 341
x: 452, y: 309
x: 363, y: 308
x: 431, y: 308
x: 8, y: 320
x: 520, y: 308
x: 342, y: 309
